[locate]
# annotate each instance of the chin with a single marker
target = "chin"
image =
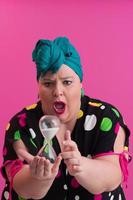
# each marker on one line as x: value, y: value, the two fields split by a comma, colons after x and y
x: 63, y: 118
x: 67, y: 120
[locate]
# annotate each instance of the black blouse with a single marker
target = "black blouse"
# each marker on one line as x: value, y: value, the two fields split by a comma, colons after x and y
x: 95, y: 132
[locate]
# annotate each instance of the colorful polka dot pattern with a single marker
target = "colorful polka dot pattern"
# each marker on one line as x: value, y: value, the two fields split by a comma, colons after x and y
x: 91, y: 120
x: 95, y: 104
x: 106, y: 124
x: 117, y: 127
x: 33, y: 106
x: 22, y: 119
x: 89, y: 124
x: 33, y: 136
x: 6, y: 195
x: 33, y: 143
x: 17, y: 135
x: 116, y: 112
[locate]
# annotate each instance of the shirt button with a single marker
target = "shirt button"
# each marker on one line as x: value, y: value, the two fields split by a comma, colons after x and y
x: 77, y: 197
x: 65, y: 187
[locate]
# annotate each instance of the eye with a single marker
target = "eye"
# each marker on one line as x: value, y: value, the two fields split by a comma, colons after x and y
x: 67, y: 82
x: 47, y: 84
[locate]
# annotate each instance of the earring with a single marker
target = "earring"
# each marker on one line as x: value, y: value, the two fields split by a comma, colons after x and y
x: 82, y: 92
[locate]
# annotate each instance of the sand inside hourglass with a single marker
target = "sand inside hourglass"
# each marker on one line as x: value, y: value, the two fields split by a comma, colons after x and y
x: 49, y: 125
x: 49, y: 133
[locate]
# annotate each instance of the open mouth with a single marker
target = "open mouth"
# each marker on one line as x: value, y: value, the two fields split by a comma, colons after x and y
x: 59, y: 107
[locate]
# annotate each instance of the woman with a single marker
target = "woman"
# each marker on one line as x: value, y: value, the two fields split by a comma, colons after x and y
x: 91, y: 144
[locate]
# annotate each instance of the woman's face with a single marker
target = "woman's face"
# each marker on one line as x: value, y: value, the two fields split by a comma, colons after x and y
x: 60, y: 93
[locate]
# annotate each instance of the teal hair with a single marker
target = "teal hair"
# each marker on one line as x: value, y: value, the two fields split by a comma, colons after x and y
x: 50, y: 55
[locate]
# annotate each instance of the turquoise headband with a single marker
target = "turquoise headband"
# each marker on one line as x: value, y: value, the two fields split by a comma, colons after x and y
x: 50, y: 55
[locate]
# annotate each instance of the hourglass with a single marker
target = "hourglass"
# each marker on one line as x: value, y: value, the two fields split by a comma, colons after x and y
x: 49, y: 126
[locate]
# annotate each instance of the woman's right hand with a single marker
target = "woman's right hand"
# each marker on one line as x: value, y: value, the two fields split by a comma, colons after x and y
x: 40, y: 167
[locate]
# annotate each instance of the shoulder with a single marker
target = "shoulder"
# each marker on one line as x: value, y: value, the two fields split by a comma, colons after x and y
x: 26, y: 111
x: 102, y: 112
x: 29, y: 108
x: 99, y: 106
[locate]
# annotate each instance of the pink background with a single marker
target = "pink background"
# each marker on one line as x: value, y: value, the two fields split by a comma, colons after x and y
x: 102, y: 31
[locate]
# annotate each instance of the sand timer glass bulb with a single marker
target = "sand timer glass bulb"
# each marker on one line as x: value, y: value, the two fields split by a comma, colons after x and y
x: 49, y: 126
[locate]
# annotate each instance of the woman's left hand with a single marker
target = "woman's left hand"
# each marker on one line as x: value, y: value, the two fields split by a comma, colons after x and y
x: 71, y: 155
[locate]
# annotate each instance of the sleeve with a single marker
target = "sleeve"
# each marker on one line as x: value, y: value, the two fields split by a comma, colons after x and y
x: 108, y: 129
x: 15, y: 130
x: 12, y: 134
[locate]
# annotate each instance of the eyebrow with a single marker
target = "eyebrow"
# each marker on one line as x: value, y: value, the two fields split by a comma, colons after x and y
x: 63, y: 78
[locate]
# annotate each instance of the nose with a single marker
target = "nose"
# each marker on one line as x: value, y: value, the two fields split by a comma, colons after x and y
x: 58, y: 90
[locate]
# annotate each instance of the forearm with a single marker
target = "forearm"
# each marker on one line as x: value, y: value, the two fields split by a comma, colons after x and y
x: 29, y: 187
x: 99, y: 175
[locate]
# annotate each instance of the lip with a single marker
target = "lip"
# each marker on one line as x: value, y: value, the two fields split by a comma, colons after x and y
x: 59, y: 107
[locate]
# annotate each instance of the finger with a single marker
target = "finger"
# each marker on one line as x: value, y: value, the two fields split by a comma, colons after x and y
x: 40, y: 167
x: 33, y: 165
x: 69, y: 155
x: 70, y: 145
x: 77, y: 168
x: 56, y: 164
x: 25, y: 155
x: 67, y: 135
x: 72, y: 161
x: 47, y: 167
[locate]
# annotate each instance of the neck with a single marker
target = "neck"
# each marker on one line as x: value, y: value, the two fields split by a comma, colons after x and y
x: 69, y: 125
